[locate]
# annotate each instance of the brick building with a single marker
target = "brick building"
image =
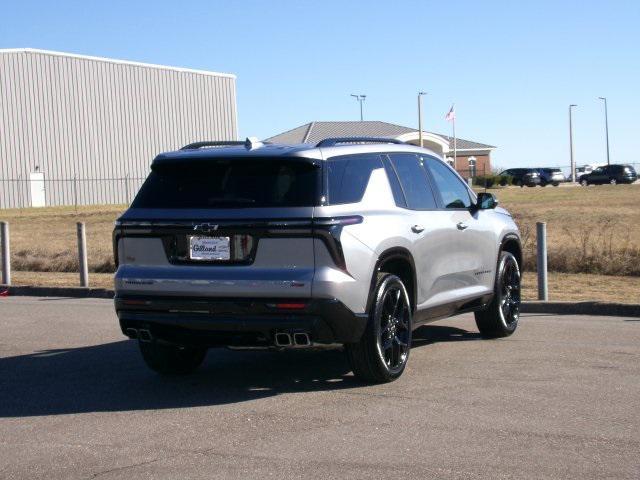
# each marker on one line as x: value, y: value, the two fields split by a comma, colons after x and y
x: 472, y: 159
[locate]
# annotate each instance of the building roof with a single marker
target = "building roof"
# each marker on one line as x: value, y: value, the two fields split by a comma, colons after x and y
x: 463, y: 144
x: 314, y: 132
x: 112, y: 60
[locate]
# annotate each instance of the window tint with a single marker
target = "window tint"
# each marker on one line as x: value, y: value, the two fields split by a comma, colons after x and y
x: 414, y: 181
x: 230, y: 183
x: 454, y: 193
x: 349, y: 177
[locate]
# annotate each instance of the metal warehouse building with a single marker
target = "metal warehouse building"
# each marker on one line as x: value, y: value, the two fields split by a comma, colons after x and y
x: 83, y: 130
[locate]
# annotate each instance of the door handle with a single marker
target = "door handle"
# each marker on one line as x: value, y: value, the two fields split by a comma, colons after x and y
x: 461, y: 226
x: 417, y: 228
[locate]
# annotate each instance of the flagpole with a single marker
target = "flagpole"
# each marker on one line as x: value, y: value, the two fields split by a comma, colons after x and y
x: 455, y: 146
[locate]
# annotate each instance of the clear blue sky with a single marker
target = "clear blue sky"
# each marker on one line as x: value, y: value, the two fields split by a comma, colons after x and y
x: 511, y: 68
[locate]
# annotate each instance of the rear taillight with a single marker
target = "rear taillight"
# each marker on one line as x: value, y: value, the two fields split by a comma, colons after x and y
x: 329, y: 229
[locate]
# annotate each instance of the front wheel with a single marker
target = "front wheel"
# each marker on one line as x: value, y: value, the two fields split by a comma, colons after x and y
x: 584, y: 182
x: 500, y: 319
x: 383, y: 351
x: 613, y: 181
x: 169, y: 359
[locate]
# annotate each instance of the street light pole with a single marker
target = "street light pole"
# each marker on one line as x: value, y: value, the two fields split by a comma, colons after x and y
x: 420, y: 94
x: 573, y: 163
x: 360, y: 99
x: 606, y: 126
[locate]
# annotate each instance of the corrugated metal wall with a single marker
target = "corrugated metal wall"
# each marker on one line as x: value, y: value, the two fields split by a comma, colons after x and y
x: 93, y: 125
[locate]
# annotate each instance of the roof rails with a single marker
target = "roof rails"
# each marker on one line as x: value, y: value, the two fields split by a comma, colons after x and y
x: 331, y: 142
x: 250, y: 143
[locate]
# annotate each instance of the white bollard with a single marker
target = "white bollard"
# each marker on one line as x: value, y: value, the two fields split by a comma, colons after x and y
x: 82, y: 255
x: 6, y: 253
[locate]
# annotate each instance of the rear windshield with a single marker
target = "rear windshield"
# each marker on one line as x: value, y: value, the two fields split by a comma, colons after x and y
x: 234, y: 183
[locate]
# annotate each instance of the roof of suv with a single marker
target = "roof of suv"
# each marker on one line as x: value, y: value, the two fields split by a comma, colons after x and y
x: 280, y: 150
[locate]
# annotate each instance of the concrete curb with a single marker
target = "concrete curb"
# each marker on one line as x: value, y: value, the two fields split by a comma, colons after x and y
x: 582, y: 308
x: 558, y: 308
x: 73, y: 292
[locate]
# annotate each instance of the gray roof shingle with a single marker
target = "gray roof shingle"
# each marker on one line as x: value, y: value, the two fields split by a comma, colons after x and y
x: 314, y: 132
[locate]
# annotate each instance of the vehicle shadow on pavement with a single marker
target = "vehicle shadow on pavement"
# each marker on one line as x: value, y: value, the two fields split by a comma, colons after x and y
x: 428, y: 334
x: 113, y: 377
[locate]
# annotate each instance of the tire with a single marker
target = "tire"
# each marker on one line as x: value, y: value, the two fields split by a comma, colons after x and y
x: 613, y: 181
x: 500, y: 318
x: 169, y: 359
x: 584, y: 182
x: 556, y: 184
x: 382, y: 353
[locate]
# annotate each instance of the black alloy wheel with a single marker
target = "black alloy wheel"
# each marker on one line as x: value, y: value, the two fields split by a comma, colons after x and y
x: 382, y: 353
x: 500, y: 318
x: 394, y: 336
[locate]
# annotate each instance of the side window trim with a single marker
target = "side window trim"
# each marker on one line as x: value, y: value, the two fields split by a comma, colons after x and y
x: 435, y: 191
x: 391, y: 170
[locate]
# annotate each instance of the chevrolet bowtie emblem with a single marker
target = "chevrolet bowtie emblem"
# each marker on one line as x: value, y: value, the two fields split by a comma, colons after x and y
x: 205, y: 227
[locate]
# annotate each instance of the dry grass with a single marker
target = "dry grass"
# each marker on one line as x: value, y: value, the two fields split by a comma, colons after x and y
x: 589, y: 230
x: 44, y: 239
x: 584, y: 286
x: 562, y: 286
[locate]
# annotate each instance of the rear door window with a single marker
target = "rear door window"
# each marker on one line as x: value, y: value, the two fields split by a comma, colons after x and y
x: 414, y: 181
x: 231, y: 183
x: 348, y: 177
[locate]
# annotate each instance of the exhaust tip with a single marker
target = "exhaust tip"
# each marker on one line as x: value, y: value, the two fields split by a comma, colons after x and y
x: 144, y: 335
x: 131, y: 332
x: 283, y: 339
x: 301, y: 339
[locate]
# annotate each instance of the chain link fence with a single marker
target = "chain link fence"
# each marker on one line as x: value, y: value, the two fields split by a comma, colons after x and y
x: 39, y: 191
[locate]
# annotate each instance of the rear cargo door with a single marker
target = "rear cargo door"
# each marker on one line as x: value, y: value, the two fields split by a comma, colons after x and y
x: 224, y: 228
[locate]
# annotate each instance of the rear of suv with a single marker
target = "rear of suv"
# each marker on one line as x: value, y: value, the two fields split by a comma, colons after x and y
x: 551, y: 176
x: 611, y: 174
x: 521, y: 177
x: 353, y: 241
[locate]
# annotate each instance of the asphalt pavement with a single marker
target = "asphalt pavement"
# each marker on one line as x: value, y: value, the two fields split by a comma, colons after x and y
x: 559, y: 399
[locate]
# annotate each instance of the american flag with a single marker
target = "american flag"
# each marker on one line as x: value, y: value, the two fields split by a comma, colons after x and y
x: 451, y: 115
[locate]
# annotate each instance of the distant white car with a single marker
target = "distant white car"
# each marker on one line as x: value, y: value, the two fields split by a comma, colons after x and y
x: 580, y: 171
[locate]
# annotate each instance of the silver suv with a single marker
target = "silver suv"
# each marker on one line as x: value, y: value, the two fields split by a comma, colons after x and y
x: 356, y: 241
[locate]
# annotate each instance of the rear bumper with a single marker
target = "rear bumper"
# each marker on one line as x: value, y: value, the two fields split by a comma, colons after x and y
x: 237, y: 322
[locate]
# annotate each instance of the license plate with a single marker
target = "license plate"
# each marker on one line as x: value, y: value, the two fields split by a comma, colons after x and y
x: 209, y: 248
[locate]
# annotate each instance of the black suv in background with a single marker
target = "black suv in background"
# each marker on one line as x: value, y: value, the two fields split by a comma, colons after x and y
x: 521, y: 177
x: 612, y: 174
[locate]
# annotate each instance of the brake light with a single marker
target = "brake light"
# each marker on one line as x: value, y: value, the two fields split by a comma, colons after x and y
x: 329, y: 230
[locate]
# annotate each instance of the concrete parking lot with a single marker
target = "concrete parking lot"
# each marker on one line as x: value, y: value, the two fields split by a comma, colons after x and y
x: 559, y: 399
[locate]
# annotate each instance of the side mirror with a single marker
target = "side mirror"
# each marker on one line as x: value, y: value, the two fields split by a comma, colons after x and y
x: 486, y: 201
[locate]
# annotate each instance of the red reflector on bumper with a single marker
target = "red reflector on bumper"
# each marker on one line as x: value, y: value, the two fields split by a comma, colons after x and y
x: 290, y: 306
x: 135, y: 302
